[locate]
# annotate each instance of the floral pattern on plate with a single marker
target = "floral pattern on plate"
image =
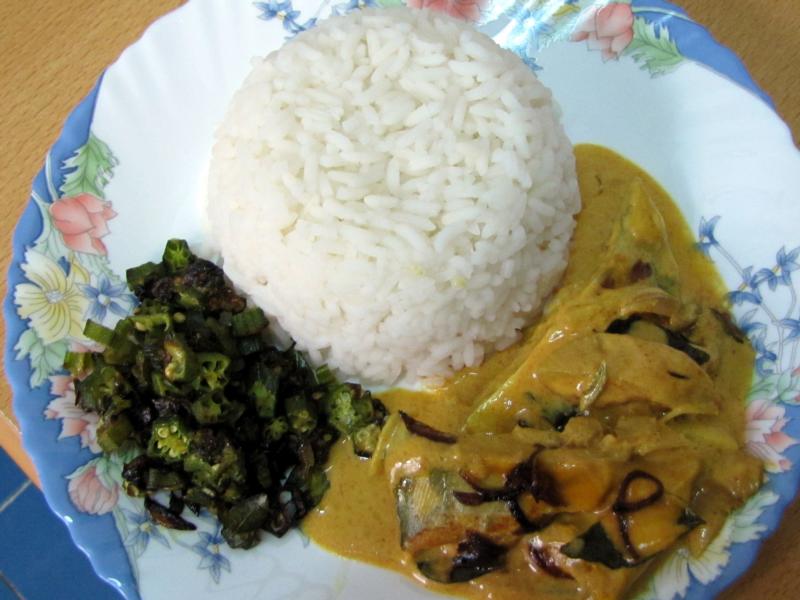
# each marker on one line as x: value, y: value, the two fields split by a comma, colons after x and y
x: 67, y: 279
x: 61, y: 262
x: 68, y: 282
x: 96, y: 487
x: 615, y: 29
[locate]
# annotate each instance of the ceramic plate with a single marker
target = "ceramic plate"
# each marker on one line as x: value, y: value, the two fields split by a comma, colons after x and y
x: 128, y: 170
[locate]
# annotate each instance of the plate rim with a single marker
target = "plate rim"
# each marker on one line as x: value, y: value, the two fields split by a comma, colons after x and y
x: 74, y: 133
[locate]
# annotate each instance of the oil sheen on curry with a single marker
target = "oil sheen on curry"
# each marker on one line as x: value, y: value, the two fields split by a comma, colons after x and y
x: 570, y: 464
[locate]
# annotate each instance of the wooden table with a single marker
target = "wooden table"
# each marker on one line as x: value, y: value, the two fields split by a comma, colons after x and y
x: 51, y: 53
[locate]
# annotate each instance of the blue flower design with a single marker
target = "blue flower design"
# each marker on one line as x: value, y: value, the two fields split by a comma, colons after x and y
x: 765, y: 363
x: 751, y: 328
x: 211, y: 557
x: 280, y: 10
x: 107, y: 296
x: 351, y: 5
x: 787, y: 262
x: 529, y: 24
x: 286, y: 13
x: 793, y: 325
x: 748, y: 291
x: 141, y: 531
x: 742, y: 296
x: 765, y: 357
x: 529, y: 30
x: 756, y: 331
x: 768, y: 276
x: 531, y: 62
x: 705, y: 233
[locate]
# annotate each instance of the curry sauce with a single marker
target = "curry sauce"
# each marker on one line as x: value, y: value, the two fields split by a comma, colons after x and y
x: 609, y: 435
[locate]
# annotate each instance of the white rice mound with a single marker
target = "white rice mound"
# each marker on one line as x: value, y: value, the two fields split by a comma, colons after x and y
x: 396, y: 190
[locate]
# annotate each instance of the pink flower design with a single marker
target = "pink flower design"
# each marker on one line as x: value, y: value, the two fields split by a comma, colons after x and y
x: 765, y: 437
x: 83, y: 220
x: 74, y: 421
x: 467, y: 10
x: 608, y: 29
x: 88, y: 492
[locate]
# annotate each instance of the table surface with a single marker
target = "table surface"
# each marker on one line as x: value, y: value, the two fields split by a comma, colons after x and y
x: 51, y: 53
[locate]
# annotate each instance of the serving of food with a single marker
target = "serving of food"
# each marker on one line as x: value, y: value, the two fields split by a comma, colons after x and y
x: 418, y: 311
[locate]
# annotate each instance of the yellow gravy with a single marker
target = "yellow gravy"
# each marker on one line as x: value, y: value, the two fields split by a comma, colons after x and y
x: 637, y: 399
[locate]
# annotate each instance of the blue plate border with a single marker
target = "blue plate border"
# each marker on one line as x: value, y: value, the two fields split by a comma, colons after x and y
x: 39, y: 436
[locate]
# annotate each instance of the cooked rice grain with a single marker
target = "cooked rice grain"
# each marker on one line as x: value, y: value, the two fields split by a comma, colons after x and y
x: 396, y: 190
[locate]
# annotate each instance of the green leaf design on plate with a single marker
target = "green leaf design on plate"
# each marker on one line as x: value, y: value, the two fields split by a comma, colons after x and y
x: 566, y: 10
x: 776, y: 387
x: 121, y: 523
x: 787, y: 388
x: 92, y: 166
x: 97, y: 265
x: 655, y: 50
x: 745, y: 520
x: 45, y: 359
x: 108, y: 468
x: 389, y: 3
x: 50, y: 242
x: 763, y: 388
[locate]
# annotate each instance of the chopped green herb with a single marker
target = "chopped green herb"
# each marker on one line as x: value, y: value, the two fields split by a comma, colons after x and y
x: 223, y: 420
x: 176, y: 255
x: 248, y: 322
x: 98, y: 333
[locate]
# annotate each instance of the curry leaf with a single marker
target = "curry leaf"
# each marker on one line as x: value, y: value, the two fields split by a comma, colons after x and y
x: 690, y: 519
x: 92, y: 166
x: 161, y: 515
x: 477, y: 555
x: 653, y: 48
x: 594, y: 545
x: 247, y: 515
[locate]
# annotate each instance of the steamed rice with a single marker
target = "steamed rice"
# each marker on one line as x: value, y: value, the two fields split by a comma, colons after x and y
x: 396, y: 190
